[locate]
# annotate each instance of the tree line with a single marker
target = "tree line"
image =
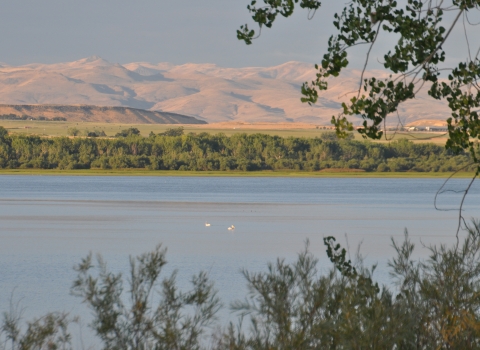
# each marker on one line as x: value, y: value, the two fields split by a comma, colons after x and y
x: 175, y: 150
x: 12, y: 116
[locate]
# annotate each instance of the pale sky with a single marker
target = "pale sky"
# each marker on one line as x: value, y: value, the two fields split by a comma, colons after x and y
x: 176, y: 31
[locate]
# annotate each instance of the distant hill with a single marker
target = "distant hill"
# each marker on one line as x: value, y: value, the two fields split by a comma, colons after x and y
x: 204, y: 91
x: 86, y: 113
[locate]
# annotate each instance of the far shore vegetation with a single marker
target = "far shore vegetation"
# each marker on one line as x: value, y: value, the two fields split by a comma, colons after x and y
x: 30, y: 118
x: 338, y: 173
x: 258, y: 154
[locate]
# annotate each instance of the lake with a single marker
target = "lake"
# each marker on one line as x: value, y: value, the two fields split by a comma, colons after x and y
x: 48, y: 223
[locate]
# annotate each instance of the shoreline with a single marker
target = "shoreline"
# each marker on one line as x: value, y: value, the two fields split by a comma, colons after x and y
x: 317, y: 174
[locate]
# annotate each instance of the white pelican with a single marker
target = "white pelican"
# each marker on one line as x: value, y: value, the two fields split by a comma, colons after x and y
x: 231, y: 228
x: 207, y: 224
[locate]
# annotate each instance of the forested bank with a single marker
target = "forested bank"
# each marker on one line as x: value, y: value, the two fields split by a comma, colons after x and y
x: 174, y: 150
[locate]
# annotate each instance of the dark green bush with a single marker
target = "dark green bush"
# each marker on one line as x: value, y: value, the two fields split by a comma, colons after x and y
x: 128, y: 132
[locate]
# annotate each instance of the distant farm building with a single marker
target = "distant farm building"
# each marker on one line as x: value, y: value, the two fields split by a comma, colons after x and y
x: 436, y: 128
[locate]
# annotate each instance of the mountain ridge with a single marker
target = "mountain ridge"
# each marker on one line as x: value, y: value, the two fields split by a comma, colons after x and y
x: 88, y: 113
x: 204, y: 91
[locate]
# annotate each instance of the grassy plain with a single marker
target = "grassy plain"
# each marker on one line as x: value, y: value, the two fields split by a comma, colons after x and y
x: 316, y: 174
x: 50, y: 128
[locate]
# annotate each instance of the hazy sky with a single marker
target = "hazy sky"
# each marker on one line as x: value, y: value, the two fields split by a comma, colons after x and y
x: 176, y: 31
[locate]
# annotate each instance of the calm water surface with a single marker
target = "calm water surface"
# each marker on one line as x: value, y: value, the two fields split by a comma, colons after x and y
x: 47, y: 223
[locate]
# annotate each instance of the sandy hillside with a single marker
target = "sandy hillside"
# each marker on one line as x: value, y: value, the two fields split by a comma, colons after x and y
x: 99, y: 114
x: 204, y: 91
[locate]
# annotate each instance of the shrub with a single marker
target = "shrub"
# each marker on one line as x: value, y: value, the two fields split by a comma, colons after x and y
x: 177, y: 320
x: 128, y: 132
x: 73, y: 131
x: 173, y: 132
x: 434, y: 304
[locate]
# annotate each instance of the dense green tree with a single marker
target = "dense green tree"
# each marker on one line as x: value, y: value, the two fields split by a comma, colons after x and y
x: 94, y: 133
x: 204, y: 152
x: 3, y: 133
x: 173, y: 132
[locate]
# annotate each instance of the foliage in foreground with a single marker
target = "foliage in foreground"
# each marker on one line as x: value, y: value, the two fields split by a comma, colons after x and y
x: 435, y: 304
x: 414, y: 34
x: 172, y: 150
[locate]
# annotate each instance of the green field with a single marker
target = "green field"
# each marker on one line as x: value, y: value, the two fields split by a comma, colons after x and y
x: 50, y: 128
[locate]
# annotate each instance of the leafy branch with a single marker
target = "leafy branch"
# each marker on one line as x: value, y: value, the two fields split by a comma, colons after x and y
x: 421, y: 31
